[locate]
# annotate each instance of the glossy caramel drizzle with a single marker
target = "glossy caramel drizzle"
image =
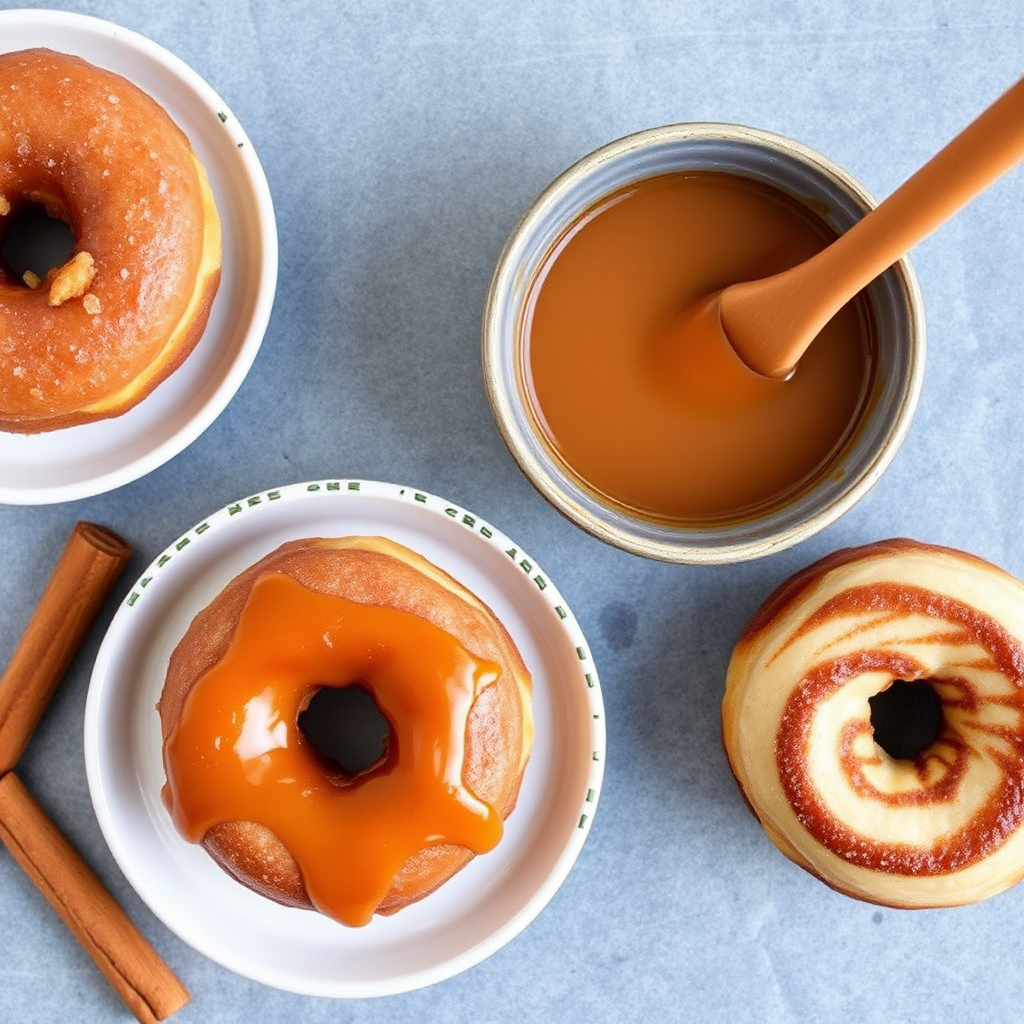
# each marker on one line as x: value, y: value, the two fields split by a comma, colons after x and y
x: 238, y: 754
x: 999, y: 816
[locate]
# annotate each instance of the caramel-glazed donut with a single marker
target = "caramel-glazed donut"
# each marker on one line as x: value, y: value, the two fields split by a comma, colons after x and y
x: 96, y: 336
x: 243, y: 779
x: 939, y: 829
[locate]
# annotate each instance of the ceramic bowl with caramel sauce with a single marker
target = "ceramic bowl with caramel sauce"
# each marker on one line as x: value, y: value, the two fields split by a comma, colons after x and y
x: 580, y: 317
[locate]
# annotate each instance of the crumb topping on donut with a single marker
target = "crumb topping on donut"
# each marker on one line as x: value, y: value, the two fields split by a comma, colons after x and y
x: 72, y: 280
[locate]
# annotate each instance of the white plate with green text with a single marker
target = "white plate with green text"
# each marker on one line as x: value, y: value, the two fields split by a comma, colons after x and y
x: 470, y: 917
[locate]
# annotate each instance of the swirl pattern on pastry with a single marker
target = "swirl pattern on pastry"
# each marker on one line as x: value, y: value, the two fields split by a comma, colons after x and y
x: 941, y: 828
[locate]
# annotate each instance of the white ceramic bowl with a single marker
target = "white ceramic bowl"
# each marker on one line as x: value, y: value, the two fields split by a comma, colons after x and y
x: 805, y: 175
x: 471, y: 916
x: 73, y: 463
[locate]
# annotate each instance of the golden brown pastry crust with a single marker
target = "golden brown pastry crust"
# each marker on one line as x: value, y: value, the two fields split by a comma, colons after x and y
x: 132, y: 302
x: 942, y: 829
x: 369, y: 570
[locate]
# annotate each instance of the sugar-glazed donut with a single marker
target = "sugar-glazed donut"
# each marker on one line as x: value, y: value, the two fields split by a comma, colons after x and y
x: 244, y: 780
x: 939, y: 829
x: 100, y: 332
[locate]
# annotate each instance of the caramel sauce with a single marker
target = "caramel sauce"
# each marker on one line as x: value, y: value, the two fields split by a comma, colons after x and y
x: 998, y: 817
x: 604, y: 387
x: 237, y: 752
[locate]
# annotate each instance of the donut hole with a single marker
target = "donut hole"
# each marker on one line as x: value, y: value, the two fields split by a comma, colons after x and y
x: 35, y: 242
x: 906, y: 718
x: 347, y: 730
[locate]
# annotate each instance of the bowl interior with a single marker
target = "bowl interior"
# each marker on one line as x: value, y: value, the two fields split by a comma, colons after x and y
x: 806, y: 176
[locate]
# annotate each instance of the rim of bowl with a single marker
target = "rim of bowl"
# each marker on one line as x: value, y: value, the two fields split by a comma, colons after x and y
x: 714, y: 544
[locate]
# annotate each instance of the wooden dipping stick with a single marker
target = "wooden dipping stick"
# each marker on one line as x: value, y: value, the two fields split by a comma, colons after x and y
x: 92, y: 560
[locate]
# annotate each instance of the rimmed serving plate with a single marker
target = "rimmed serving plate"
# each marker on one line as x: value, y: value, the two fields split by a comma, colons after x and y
x: 76, y: 462
x: 481, y: 908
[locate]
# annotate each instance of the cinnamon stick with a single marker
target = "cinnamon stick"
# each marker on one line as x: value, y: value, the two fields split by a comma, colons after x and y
x: 91, y: 562
x: 136, y: 971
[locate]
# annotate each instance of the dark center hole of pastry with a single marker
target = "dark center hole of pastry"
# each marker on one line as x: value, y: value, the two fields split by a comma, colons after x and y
x: 906, y: 718
x: 34, y: 241
x: 347, y: 728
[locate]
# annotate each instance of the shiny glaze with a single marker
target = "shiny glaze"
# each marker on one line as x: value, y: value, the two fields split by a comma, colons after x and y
x: 238, y: 753
x: 94, y: 150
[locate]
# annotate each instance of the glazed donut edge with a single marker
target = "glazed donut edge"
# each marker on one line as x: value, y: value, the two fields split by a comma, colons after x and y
x: 376, y: 571
x: 97, y: 334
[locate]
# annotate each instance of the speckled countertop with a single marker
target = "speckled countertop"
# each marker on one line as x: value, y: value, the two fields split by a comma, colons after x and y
x: 401, y: 143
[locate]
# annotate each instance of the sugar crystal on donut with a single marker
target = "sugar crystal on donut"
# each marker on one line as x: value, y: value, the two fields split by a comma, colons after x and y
x: 91, y: 338
x: 285, y: 817
x: 939, y: 825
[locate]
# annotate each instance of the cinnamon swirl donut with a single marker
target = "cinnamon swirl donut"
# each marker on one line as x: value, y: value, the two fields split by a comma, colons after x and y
x: 96, y: 335
x: 940, y: 828
x: 245, y: 781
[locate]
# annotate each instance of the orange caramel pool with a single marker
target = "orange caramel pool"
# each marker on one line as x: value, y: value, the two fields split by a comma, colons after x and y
x: 601, y: 359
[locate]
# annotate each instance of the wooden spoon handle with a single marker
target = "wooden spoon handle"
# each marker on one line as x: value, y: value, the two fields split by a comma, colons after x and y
x: 799, y: 302
x: 984, y: 151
